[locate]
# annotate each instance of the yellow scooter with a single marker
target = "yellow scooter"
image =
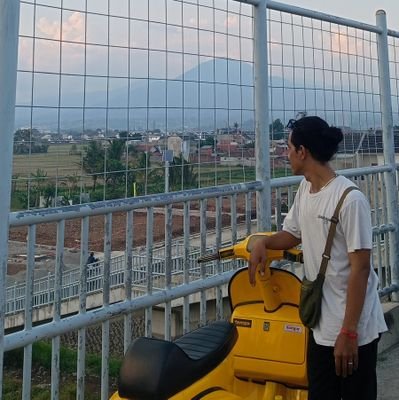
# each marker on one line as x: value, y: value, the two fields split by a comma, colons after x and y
x: 259, y: 355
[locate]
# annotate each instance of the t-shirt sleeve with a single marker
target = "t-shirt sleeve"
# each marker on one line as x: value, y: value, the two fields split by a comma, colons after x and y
x: 291, y: 221
x: 355, y: 219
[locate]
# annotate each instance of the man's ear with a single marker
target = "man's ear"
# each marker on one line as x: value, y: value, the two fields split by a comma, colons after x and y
x: 303, y: 150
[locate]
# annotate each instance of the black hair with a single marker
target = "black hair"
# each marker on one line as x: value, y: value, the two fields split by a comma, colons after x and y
x: 317, y: 136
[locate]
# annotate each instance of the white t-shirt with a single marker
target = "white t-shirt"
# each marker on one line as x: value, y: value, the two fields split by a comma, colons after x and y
x: 309, y: 220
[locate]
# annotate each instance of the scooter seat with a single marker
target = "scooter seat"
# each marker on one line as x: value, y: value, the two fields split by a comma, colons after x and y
x: 156, y: 369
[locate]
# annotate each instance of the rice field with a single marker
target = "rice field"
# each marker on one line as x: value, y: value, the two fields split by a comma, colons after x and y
x: 58, y: 162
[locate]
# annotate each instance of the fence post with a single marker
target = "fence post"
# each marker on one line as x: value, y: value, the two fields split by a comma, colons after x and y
x: 389, y: 148
x: 262, y: 142
x: 9, y: 27
x: 263, y: 203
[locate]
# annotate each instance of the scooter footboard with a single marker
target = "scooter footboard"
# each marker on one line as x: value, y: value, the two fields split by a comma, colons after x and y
x: 157, y: 369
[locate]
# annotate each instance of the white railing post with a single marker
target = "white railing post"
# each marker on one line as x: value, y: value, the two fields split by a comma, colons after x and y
x: 9, y: 27
x: 388, y: 143
x: 261, y: 87
x: 263, y: 203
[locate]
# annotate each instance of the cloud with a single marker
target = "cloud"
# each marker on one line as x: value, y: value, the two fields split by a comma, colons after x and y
x: 47, y: 51
x: 25, y: 54
x: 48, y: 29
x: 73, y: 28
x: 231, y: 21
x: 345, y: 43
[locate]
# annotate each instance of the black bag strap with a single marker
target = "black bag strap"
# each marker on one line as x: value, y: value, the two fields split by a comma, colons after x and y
x: 333, y: 226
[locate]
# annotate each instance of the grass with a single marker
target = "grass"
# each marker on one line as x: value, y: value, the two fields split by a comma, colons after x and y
x: 57, y: 162
x: 41, y: 361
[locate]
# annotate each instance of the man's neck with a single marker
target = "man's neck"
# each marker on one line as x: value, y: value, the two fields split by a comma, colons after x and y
x: 320, y: 178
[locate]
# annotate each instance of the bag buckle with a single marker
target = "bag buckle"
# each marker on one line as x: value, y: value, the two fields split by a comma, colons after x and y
x: 326, y: 256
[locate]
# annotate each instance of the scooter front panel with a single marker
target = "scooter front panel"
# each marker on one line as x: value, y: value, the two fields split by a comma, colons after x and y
x: 270, y: 346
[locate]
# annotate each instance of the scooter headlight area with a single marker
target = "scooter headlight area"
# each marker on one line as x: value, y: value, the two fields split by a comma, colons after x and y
x: 259, y: 355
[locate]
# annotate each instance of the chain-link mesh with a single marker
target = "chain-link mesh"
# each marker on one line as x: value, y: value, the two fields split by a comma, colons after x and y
x: 120, y: 98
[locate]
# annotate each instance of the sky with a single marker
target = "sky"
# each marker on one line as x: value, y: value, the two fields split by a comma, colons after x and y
x: 60, y: 67
x: 360, y: 10
x: 48, y: 26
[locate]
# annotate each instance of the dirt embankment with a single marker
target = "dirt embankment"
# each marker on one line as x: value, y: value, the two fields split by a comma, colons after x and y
x: 46, y: 234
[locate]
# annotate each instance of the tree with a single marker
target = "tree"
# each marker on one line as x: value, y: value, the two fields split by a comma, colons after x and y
x: 72, y: 186
x: 117, y: 165
x: 38, y: 185
x: 208, y: 141
x: 93, y: 161
x: 181, y: 174
x: 141, y: 171
x: 115, y: 170
x: 276, y: 127
x: 116, y: 149
x: 124, y: 135
x: 49, y: 194
x: 26, y: 141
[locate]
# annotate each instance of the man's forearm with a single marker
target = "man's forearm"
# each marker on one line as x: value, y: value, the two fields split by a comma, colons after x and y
x: 281, y: 240
x: 357, y: 287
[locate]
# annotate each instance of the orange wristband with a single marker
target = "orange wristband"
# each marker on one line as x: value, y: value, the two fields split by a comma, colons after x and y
x: 348, y: 333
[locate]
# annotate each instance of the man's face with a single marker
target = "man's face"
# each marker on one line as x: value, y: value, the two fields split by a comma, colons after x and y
x: 294, y: 157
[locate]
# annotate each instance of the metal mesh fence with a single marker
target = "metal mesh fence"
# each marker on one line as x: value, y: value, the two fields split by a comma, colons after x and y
x: 321, y: 68
x: 118, y: 98
x: 106, y: 87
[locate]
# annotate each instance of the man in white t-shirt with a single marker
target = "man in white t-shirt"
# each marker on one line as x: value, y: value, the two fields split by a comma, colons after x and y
x: 342, y: 350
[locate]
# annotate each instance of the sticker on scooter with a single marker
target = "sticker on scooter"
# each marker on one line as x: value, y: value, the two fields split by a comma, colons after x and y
x: 293, y: 328
x: 244, y: 323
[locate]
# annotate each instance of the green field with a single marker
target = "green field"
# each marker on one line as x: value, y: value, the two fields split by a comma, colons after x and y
x: 57, y: 162
x: 59, y: 173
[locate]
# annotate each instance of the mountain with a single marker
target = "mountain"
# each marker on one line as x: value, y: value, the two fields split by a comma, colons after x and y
x: 213, y: 104
x: 215, y: 94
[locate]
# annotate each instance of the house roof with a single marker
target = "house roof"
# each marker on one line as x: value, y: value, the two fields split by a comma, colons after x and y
x: 365, y: 142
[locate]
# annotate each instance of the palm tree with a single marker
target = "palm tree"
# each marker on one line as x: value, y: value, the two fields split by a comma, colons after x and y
x: 114, y: 165
x: 37, y: 186
x: 181, y: 174
x: 116, y: 149
x: 93, y: 161
x: 72, y: 185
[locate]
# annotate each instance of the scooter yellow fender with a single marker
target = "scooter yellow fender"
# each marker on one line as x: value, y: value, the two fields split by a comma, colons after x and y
x: 259, y: 355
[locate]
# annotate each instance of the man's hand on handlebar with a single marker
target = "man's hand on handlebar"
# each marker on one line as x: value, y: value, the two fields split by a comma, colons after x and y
x: 257, y: 257
x: 281, y: 240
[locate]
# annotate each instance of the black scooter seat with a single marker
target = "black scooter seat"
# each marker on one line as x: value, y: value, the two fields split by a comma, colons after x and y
x: 156, y: 369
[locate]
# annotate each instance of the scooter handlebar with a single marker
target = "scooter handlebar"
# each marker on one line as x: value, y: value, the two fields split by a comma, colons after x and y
x: 244, y: 247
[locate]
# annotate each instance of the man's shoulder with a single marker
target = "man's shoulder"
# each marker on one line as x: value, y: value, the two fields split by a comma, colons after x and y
x: 354, y: 198
x: 343, y: 183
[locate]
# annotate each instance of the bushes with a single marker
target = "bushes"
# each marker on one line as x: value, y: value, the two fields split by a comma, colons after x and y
x: 41, y: 357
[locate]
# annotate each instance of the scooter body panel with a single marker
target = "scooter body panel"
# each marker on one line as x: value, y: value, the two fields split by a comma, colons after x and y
x: 271, y: 344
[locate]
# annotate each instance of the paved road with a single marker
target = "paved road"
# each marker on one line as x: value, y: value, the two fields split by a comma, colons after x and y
x: 388, y: 374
